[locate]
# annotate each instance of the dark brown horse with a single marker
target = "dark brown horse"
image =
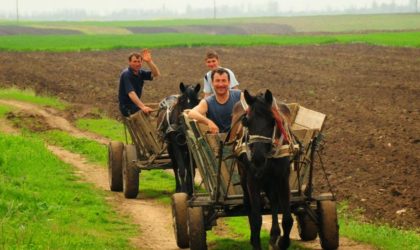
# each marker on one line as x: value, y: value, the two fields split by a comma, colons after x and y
x: 258, y: 133
x: 170, y: 127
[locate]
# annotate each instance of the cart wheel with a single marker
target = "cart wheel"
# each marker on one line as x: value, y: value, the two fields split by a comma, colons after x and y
x: 307, y: 228
x: 196, y: 229
x: 115, y: 152
x: 179, y: 219
x: 130, y: 173
x: 328, y: 226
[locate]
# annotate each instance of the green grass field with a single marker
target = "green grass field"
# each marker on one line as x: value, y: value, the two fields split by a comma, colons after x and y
x: 388, y: 30
x: 61, y: 43
x: 43, y: 205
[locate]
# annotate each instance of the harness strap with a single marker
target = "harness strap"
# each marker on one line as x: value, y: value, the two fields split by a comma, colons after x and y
x: 279, y: 122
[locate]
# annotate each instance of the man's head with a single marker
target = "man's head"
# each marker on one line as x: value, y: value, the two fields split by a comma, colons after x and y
x: 221, y: 81
x: 134, y: 61
x: 212, y: 60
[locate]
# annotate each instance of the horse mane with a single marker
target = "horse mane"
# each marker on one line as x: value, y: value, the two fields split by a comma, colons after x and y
x: 236, y: 128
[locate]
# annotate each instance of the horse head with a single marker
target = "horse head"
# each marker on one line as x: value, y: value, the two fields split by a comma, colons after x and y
x: 260, y: 123
x: 189, y: 95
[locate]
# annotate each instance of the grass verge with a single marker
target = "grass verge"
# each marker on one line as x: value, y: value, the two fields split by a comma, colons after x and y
x: 30, y: 96
x: 43, y: 206
x: 4, y: 110
x: 381, y: 236
x: 106, y: 127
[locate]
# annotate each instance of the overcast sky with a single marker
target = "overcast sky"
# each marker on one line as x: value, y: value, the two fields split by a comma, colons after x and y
x: 107, y: 6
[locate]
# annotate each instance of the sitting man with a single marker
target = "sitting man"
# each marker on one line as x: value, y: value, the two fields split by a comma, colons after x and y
x: 212, y: 62
x: 216, y: 110
x: 132, y: 81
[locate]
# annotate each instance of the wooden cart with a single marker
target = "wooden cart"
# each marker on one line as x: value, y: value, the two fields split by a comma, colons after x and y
x: 223, y: 197
x: 147, y: 152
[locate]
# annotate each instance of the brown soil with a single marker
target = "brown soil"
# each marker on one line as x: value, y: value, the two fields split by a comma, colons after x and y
x: 370, y: 94
x: 239, y: 29
x: 6, y: 30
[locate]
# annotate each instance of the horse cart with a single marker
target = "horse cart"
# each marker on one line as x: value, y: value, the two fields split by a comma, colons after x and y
x: 126, y: 161
x: 222, y: 196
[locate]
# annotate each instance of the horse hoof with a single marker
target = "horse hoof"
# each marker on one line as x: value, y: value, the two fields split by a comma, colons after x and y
x: 272, y: 246
x: 283, y: 243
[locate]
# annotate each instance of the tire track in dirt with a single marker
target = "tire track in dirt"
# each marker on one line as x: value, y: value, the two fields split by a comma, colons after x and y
x: 54, y: 121
x: 154, y: 219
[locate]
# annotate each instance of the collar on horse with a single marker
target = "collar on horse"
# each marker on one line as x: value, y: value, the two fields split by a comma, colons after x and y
x: 282, y: 145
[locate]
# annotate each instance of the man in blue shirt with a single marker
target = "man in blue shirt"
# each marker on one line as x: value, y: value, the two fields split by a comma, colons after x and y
x: 132, y: 81
x: 216, y: 110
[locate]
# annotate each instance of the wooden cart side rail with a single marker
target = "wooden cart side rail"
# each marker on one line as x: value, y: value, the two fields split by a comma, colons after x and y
x: 194, y: 147
x: 202, y: 154
x: 206, y: 148
x: 306, y: 124
x: 144, y: 136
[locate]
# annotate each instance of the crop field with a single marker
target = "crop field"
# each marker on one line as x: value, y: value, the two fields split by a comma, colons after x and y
x: 343, y: 23
x: 362, y: 71
x: 63, y: 43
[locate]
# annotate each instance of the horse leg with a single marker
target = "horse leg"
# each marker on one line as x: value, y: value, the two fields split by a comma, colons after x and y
x: 182, y: 170
x: 190, y: 173
x: 254, y: 217
x: 273, y: 196
x: 174, y: 167
x: 243, y: 175
x: 287, y: 220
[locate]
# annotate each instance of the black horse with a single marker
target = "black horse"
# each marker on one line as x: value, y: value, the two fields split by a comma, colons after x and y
x: 170, y: 127
x: 260, y: 170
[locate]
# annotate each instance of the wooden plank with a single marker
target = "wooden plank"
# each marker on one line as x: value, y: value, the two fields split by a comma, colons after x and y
x: 146, y: 133
x: 227, y: 168
x: 294, y: 108
x: 138, y: 141
x: 309, y: 119
x: 200, y: 154
x: 143, y: 132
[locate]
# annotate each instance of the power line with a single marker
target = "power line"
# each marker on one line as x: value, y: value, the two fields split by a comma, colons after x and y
x: 17, y: 10
x: 214, y: 9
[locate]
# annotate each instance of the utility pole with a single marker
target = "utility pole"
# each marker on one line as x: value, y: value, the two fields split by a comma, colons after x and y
x: 17, y: 10
x: 214, y: 9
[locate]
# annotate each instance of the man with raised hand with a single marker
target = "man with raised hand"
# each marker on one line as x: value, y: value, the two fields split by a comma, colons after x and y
x: 132, y: 80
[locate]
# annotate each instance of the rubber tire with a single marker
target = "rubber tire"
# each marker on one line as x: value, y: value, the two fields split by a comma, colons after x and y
x: 196, y: 228
x: 130, y: 173
x: 308, y: 230
x: 180, y: 218
x: 328, y: 224
x: 115, y: 154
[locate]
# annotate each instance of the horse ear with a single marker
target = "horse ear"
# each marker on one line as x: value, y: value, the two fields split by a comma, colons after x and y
x: 249, y: 98
x: 197, y: 88
x: 182, y: 87
x: 268, y: 97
